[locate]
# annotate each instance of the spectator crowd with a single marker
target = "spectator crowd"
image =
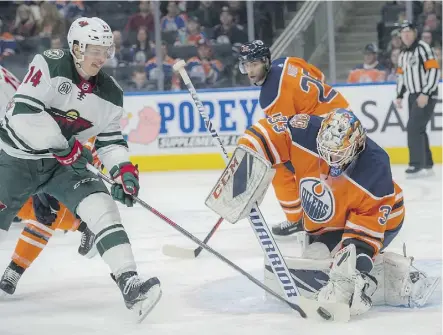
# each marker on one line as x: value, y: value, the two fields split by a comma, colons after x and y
x: 380, y: 59
x: 207, y: 34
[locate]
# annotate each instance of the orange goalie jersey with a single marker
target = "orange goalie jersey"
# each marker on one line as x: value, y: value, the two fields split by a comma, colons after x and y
x: 294, y: 86
x: 365, y: 204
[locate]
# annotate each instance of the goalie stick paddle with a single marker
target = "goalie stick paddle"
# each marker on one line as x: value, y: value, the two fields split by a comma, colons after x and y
x: 179, y: 252
x: 305, y: 307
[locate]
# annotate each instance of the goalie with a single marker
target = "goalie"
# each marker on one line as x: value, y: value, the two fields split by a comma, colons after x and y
x: 352, y: 207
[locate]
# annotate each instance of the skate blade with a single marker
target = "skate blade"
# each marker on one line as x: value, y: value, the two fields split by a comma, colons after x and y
x: 144, y: 307
x: 420, y: 175
x: 91, y: 253
x: 4, y: 295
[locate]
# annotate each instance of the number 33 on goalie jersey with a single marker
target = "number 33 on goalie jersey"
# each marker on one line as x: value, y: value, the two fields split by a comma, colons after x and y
x: 366, y: 205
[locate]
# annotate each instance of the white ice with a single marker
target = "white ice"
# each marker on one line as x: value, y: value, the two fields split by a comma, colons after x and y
x: 64, y: 293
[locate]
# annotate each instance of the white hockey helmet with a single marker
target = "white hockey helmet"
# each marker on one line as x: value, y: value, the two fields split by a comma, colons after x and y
x: 90, y: 30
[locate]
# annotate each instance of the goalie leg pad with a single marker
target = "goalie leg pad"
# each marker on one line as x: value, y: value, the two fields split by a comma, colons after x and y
x: 399, y: 284
x: 242, y: 185
x: 309, y: 274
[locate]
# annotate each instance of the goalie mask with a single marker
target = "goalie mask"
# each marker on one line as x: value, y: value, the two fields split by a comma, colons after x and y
x: 340, y: 139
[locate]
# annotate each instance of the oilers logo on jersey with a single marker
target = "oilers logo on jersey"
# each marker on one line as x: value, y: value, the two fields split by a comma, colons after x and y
x: 317, y: 200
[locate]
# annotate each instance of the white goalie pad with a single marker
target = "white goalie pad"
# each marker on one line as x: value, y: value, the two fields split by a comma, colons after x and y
x: 242, y: 184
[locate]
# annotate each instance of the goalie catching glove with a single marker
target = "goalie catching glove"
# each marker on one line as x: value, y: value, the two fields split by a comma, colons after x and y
x: 126, y: 184
x: 242, y: 184
x: 74, y: 156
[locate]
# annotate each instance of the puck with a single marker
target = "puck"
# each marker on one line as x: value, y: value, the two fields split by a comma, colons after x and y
x: 324, y: 313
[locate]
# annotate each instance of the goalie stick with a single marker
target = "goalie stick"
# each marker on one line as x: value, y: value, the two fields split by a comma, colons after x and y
x: 258, y: 224
x: 305, y: 307
x: 179, y: 252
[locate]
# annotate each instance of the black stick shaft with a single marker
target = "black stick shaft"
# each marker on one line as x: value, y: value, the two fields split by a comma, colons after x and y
x: 202, y: 244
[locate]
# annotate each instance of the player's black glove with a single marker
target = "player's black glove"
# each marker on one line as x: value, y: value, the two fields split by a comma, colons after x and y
x: 45, y: 208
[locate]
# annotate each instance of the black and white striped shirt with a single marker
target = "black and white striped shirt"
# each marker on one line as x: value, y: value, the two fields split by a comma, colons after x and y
x: 418, y: 70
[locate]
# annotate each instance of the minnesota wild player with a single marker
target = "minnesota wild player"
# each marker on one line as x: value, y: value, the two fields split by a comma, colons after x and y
x: 65, y: 99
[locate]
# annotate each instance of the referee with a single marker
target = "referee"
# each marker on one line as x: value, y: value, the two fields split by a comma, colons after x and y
x: 418, y: 73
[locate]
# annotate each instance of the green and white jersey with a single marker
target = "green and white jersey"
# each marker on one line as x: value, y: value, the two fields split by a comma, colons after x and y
x: 53, y: 103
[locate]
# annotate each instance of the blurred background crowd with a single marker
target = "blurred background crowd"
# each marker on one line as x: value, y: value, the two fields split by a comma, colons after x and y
x: 206, y: 34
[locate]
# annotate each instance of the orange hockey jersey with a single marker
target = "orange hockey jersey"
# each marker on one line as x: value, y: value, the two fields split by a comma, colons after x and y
x: 294, y: 86
x: 364, y: 202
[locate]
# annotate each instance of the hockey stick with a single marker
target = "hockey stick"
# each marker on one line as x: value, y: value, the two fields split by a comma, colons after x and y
x: 176, y: 251
x: 305, y: 307
x: 258, y: 223
x: 200, y: 243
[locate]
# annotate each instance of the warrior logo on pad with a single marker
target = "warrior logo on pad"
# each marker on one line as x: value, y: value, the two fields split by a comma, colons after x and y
x: 317, y: 200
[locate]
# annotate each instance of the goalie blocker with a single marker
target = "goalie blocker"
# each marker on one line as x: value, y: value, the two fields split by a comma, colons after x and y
x: 361, y: 231
x: 242, y: 184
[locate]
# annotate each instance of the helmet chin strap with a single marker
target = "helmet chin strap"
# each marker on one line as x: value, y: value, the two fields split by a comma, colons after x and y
x: 82, y: 72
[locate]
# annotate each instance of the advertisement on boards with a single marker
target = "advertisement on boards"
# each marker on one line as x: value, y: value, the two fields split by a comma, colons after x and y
x: 375, y: 106
x: 169, y: 124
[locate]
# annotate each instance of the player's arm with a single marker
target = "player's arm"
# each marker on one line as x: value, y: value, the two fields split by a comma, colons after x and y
x: 401, y: 88
x: 28, y: 112
x: 90, y: 145
x: 269, y: 138
x: 365, y: 226
x: 316, y: 73
x: 112, y: 150
x: 285, y: 185
x: 431, y: 66
x: 249, y: 172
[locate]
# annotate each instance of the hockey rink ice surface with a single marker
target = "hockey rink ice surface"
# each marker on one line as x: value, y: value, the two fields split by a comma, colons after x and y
x: 64, y: 293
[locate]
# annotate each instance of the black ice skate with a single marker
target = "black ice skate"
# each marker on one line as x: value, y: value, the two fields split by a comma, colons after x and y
x: 87, y: 246
x: 10, y: 278
x: 413, y: 172
x: 287, y: 228
x: 139, y: 296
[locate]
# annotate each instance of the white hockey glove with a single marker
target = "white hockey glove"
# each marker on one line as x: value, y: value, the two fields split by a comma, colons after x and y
x: 347, y: 284
x: 242, y: 184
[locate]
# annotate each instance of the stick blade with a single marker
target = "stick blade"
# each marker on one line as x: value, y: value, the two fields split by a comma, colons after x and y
x: 325, y: 311
x: 178, y: 252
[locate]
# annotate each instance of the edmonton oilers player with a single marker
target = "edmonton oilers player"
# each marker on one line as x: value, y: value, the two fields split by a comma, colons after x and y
x: 352, y: 208
x: 289, y: 86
